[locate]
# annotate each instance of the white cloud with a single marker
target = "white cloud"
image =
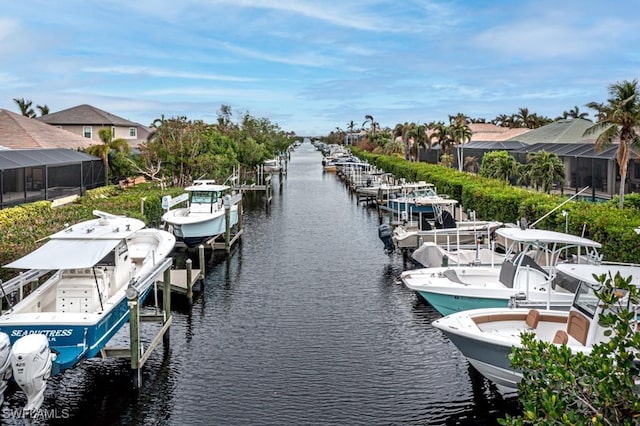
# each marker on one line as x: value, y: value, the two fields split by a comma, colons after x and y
x: 155, y: 72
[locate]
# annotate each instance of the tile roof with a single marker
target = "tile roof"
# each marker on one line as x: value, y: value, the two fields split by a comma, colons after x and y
x: 560, y: 131
x: 487, y: 132
x: 85, y: 115
x: 19, y: 132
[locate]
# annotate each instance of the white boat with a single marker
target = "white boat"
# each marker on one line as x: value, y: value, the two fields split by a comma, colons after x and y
x: 525, y: 276
x: 445, y: 231
x: 486, y: 336
x: 75, y: 312
x: 272, y: 165
x: 203, y: 218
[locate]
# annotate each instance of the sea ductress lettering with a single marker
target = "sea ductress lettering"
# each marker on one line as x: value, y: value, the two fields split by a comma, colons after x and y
x: 49, y: 333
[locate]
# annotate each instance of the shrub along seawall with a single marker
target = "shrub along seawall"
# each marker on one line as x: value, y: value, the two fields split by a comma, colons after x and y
x: 24, y: 228
x: 496, y: 200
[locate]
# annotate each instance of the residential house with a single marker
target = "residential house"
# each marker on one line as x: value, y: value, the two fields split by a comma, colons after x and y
x: 87, y: 120
x: 41, y: 162
x: 485, y: 137
x: 584, y: 165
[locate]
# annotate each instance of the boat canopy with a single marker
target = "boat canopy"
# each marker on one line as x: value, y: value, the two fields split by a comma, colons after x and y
x: 66, y: 254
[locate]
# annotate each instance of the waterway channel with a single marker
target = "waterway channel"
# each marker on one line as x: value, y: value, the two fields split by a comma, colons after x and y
x: 304, y: 324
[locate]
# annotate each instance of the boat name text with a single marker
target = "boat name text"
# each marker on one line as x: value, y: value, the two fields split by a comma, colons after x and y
x: 49, y: 333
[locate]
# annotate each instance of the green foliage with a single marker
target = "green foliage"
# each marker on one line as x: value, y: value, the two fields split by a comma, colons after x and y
x: 498, y: 165
x: 446, y: 160
x: 561, y: 387
x: 181, y: 150
x: 153, y: 210
x: 545, y: 169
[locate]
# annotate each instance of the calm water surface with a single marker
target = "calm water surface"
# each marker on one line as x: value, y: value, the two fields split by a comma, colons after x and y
x: 305, y: 324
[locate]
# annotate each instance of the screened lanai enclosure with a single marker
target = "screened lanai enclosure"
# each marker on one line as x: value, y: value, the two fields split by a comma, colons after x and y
x: 584, y: 166
x: 28, y: 175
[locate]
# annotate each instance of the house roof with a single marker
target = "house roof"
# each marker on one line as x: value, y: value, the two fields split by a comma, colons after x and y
x: 18, y: 158
x: 85, y: 115
x: 498, y: 145
x: 487, y: 132
x: 582, y: 150
x: 560, y: 131
x: 20, y: 132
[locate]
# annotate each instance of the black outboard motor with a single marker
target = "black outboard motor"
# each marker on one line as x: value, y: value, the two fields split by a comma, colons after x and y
x: 384, y: 233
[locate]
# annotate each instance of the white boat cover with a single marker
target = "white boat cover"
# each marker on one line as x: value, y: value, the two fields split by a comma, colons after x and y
x: 66, y: 254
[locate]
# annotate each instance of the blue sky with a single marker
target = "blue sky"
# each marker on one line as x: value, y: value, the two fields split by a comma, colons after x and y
x: 313, y: 66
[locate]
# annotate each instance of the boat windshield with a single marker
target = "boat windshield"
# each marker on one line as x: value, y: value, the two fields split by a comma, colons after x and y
x: 586, y: 300
x: 203, y: 197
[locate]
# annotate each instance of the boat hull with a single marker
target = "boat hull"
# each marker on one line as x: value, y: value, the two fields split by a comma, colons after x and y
x: 71, y: 339
x: 491, y: 360
x: 195, y: 232
x: 448, y: 303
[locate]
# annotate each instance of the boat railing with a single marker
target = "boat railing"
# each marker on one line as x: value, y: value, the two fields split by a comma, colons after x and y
x: 17, y: 283
x: 153, y: 276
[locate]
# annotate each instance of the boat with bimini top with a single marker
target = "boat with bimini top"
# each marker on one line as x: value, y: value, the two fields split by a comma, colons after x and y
x: 87, y: 269
x: 526, y: 275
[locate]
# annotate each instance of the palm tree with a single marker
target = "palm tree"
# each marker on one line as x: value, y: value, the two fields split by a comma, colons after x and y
x: 471, y: 164
x: 440, y: 133
x: 369, y: 119
x: 459, y: 118
x: 575, y: 113
x: 460, y: 133
x: 545, y: 169
x: 408, y: 130
x: 25, y: 107
x: 523, y: 117
x: 620, y: 117
x: 498, y: 165
x: 503, y: 120
x: 44, y: 109
x: 103, y: 150
x: 523, y: 172
x: 417, y: 138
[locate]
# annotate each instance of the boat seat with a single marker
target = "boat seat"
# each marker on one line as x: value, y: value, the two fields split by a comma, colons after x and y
x: 561, y: 337
x: 578, y: 327
x: 533, y: 318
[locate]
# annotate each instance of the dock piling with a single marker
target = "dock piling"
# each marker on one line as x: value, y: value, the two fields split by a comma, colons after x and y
x: 166, y: 302
x: 227, y: 221
x: 134, y: 328
x: 189, y: 263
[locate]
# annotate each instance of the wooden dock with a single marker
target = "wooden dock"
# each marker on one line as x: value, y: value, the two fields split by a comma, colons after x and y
x: 180, y: 278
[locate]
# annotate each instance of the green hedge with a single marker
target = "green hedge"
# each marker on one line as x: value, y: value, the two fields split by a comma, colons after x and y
x: 496, y: 200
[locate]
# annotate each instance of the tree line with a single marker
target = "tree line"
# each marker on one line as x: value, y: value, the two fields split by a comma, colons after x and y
x: 179, y: 150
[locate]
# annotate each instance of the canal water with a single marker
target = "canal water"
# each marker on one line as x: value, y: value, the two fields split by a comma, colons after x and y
x: 304, y: 324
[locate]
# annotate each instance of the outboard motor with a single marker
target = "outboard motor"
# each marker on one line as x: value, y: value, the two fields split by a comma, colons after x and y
x: 5, y: 363
x: 385, y: 234
x: 31, y: 361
